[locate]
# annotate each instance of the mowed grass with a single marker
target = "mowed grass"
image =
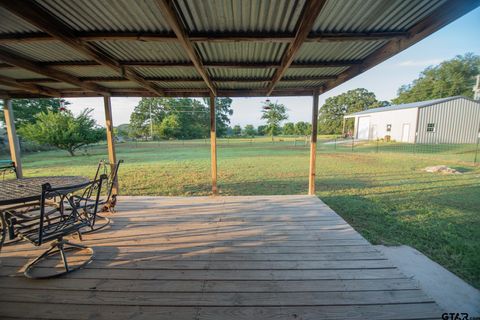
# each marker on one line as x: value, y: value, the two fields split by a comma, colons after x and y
x: 384, y: 196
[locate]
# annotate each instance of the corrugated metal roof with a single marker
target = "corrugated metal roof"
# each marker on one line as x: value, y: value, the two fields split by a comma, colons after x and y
x: 180, y: 85
x: 241, y: 85
x: 241, y: 51
x: 144, y: 51
x: 331, y: 51
x: 59, y: 85
x: 170, y: 72
x: 108, y: 15
x: 314, y: 72
x: 119, y: 84
x: 88, y: 71
x: 17, y: 73
x: 236, y: 73
x: 46, y: 51
x: 213, y: 17
x: 10, y: 23
x: 285, y: 83
x: 2, y: 87
x: 241, y: 15
x: 419, y: 104
x: 373, y: 15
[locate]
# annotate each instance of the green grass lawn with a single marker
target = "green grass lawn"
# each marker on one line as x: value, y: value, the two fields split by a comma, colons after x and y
x: 385, y: 196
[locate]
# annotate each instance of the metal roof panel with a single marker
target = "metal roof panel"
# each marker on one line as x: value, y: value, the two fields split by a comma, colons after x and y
x: 108, y: 15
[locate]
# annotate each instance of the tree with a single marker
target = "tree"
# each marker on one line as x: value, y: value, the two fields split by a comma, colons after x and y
x: 274, y: 113
x: 190, y: 118
x: 25, y: 110
x: 289, y: 128
x: 223, y: 112
x: 249, y: 130
x: 332, y: 112
x: 302, y: 128
x: 454, y: 77
x: 122, y: 130
x: 64, y: 130
x: 237, y: 130
x: 262, y: 130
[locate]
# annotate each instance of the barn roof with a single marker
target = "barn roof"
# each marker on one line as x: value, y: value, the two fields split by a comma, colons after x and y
x: 418, y: 104
x: 198, y: 48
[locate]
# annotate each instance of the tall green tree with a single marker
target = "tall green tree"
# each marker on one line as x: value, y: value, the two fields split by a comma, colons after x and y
x: 274, y: 113
x: 63, y: 130
x: 454, y: 77
x: 249, y: 130
x: 289, y: 128
x: 237, y: 130
x: 25, y: 110
x: 331, y: 113
x: 302, y: 128
x: 179, y: 118
x: 262, y: 130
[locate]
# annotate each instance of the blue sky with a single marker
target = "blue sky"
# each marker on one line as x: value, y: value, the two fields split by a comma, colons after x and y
x: 459, y: 37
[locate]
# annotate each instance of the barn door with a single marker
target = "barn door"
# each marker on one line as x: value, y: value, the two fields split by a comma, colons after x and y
x: 406, y: 132
x: 363, y: 128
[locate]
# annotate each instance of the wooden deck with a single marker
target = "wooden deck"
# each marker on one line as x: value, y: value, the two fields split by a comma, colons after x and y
x: 275, y: 257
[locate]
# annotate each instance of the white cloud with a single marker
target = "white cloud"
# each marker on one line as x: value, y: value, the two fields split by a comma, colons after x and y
x: 419, y: 63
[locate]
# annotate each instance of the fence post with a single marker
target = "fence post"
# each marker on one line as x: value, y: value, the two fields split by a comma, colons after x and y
x: 353, y: 142
x: 335, y: 144
x: 476, y: 150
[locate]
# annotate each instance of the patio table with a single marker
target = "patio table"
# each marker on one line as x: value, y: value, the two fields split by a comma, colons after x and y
x: 17, y: 192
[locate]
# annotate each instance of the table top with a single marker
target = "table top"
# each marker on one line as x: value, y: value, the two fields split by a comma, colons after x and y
x: 30, y: 189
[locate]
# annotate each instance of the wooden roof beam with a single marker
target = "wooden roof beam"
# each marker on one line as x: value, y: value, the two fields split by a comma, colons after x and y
x: 309, y: 15
x: 32, y: 12
x: 183, y: 79
x: 448, y: 12
x: 168, y: 12
x: 208, y: 65
x: 206, y: 37
x: 23, y: 63
x: 33, y: 88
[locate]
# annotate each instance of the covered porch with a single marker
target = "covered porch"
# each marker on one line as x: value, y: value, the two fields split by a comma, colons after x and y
x: 256, y: 257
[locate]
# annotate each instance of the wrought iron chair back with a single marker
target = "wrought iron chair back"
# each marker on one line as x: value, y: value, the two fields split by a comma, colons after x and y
x: 7, y: 167
x: 111, y: 171
x: 71, y: 212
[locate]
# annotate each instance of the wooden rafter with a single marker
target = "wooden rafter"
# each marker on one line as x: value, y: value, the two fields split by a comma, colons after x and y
x: 309, y: 15
x: 35, y: 14
x: 173, y: 20
x: 448, y: 12
x: 183, y: 79
x: 206, y: 37
x: 29, y: 87
x: 21, y: 62
x: 212, y: 65
x: 139, y: 92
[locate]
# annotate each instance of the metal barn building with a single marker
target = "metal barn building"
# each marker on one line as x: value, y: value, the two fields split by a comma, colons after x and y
x: 446, y: 120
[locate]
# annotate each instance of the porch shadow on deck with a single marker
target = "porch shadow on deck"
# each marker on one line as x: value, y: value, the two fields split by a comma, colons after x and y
x: 274, y: 257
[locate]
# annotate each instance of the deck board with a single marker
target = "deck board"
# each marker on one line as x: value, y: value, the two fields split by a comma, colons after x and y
x: 266, y: 257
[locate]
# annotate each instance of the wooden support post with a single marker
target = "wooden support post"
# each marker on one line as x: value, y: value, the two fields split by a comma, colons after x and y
x: 112, y: 156
x: 313, y: 145
x: 213, y: 144
x: 12, y: 136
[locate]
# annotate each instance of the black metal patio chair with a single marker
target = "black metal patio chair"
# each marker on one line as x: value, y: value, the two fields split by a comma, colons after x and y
x: 67, y: 216
x: 108, y: 201
x: 7, y: 167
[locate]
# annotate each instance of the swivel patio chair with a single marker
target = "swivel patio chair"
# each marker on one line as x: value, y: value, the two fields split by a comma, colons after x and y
x: 54, y: 222
x: 107, y: 202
